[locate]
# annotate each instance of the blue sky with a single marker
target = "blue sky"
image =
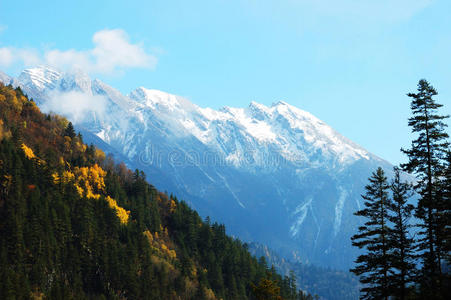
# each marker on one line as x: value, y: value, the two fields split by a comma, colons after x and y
x: 348, y: 62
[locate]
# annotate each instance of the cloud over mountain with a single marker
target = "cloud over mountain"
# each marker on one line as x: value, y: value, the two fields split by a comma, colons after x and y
x: 112, y: 51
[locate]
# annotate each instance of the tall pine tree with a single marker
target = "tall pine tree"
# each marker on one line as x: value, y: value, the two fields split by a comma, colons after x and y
x: 373, y: 267
x: 426, y: 159
x: 403, y: 246
x: 70, y: 131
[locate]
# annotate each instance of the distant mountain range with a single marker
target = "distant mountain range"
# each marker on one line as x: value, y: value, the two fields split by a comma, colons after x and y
x: 275, y: 175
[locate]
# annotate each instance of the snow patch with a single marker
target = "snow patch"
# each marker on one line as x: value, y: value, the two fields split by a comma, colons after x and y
x: 230, y: 190
x: 339, y: 209
x: 301, y: 210
x: 101, y: 134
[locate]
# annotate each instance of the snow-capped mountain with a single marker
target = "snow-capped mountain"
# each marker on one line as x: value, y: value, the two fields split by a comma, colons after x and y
x: 275, y: 175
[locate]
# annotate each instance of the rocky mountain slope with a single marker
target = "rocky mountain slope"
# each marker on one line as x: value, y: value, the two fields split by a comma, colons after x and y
x: 76, y: 225
x: 275, y: 175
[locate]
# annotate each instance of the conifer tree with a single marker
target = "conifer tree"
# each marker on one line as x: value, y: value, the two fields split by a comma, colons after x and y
x: 70, y: 131
x: 426, y: 158
x: 403, y: 246
x: 446, y: 191
x: 267, y: 289
x: 373, y: 267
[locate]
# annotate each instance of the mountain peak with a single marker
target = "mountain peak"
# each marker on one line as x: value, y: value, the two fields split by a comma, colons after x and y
x: 41, y: 69
x: 280, y: 103
x: 259, y: 111
x: 40, y: 77
x: 258, y: 106
x: 156, y: 99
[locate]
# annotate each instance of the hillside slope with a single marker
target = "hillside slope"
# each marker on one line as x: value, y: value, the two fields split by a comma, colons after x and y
x: 74, y: 225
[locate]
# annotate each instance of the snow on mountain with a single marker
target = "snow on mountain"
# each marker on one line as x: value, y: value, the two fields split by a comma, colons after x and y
x: 275, y: 175
x: 281, y: 127
x: 5, y: 78
x: 39, y: 78
x: 35, y: 81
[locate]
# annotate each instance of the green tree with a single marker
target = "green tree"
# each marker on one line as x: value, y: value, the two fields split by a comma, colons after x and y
x: 373, y: 266
x: 402, y: 245
x: 266, y: 289
x: 426, y: 161
x: 70, y: 131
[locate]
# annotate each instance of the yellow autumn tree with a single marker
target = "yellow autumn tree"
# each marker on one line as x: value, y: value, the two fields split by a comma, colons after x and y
x: 11, y: 98
x: 121, y: 213
x: 89, y: 182
x: 100, y: 155
x: 28, y: 152
x: 172, y: 206
x: 65, y: 177
x: 148, y: 235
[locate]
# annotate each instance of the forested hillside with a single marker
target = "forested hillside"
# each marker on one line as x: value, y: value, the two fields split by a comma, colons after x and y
x: 76, y: 225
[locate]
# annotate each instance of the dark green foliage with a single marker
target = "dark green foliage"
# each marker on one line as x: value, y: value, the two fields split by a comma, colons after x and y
x: 387, y: 268
x: 70, y: 132
x: 266, y: 289
x: 401, y: 243
x: 373, y: 266
x: 426, y: 161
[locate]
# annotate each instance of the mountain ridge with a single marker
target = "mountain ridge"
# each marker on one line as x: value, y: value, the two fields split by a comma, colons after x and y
x: 242, y: 166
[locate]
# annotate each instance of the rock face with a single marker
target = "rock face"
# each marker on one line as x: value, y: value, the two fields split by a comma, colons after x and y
x: 275, y: 175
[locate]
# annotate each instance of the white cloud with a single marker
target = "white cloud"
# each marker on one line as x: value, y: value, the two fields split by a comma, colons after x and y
x: 69, y: 59
x: 10, y: 56
x: 76, y: 106
x: 6, y: 57
x: 112, y: 51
